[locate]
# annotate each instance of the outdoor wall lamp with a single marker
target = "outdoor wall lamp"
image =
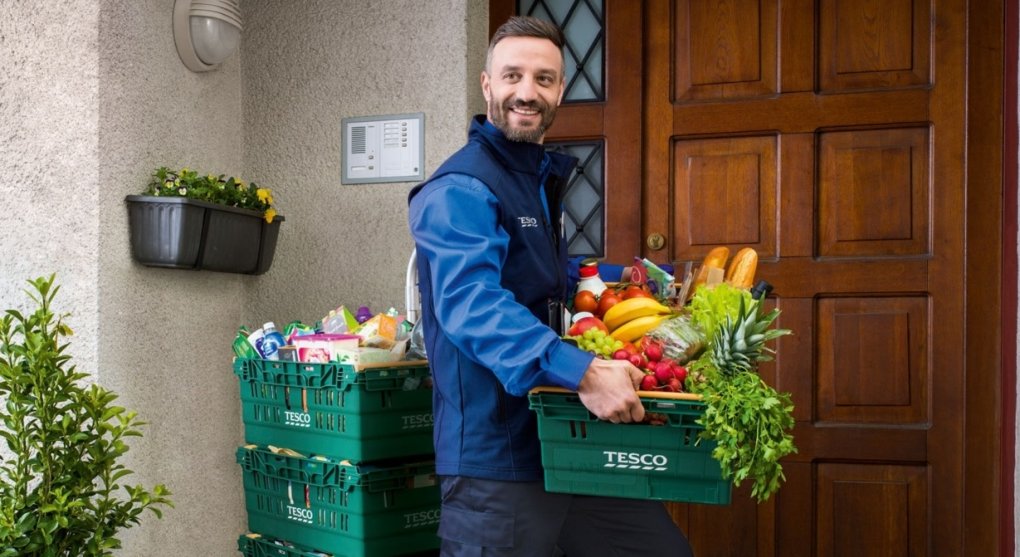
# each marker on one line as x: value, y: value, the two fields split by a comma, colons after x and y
x: 206, y: 32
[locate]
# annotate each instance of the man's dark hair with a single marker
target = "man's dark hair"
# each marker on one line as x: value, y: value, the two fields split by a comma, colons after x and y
x: 525, y: 26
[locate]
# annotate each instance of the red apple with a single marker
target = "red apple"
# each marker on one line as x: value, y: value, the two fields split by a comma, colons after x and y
x: 585, y: 323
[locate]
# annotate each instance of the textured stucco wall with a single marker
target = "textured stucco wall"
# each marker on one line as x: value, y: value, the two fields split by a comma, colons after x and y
x: 307, y: 67
x: 165, y: 334
x: 48, y: 152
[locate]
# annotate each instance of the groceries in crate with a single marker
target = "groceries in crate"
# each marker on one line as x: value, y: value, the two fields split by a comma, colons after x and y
x: 707, y: 336
x: 338, y: 337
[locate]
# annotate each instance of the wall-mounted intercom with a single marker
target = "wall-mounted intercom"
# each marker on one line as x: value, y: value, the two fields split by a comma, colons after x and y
x: 383, y: 148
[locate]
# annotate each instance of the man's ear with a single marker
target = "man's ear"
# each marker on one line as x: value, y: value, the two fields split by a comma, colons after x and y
x: 486, y: 89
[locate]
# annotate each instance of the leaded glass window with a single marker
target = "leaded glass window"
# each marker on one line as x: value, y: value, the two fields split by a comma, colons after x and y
x: 583, y: 208
x: 583, y: 28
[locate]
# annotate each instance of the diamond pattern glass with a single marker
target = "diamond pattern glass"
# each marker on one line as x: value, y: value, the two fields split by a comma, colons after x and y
x: 583, y: 207
x: 584, y: 29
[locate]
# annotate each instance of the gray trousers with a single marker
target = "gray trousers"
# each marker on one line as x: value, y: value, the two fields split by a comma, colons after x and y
x: 520, y: 519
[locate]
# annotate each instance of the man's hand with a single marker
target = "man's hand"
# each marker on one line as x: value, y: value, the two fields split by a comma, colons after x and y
x: 608, y: 390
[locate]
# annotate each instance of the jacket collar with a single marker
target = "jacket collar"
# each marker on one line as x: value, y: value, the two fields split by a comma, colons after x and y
x: 519, y: 156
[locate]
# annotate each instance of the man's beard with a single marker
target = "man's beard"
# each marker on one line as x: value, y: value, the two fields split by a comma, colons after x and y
x: 498, y: 114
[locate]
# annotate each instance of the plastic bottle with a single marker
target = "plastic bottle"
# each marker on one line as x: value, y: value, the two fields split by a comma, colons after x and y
x: 590, y: 279
x: 271, y: 342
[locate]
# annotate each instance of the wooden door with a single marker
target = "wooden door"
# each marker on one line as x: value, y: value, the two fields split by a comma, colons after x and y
x: 831, y: 136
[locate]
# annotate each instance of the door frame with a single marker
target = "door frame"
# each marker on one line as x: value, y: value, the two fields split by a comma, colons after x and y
x: 1010, y: 145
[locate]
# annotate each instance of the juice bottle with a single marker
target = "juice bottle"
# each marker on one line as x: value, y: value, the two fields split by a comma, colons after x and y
x: 590, y: 279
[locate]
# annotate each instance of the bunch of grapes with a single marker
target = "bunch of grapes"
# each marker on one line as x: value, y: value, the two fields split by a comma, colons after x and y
x: 599, y: 342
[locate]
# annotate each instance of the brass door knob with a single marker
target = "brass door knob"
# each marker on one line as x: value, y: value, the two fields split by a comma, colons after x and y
x: 655, y: 241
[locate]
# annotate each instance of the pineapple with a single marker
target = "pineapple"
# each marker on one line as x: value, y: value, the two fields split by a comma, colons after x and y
x: 739, y: 343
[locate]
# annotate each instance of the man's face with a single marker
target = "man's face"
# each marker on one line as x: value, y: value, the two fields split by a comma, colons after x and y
x: 523, y: 84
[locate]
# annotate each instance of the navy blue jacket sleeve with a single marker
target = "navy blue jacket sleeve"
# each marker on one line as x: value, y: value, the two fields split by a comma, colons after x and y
x: 455, y: 226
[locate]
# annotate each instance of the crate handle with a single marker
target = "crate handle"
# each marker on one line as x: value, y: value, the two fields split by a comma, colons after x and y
x: 641, y: 394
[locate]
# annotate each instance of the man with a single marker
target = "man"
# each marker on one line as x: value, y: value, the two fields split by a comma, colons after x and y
x: 492, y: 273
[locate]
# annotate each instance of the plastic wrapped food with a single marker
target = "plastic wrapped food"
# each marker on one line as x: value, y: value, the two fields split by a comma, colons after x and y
x: 681, y: 340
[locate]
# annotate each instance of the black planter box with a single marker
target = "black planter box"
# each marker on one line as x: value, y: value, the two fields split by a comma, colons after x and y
x: 183, y: 233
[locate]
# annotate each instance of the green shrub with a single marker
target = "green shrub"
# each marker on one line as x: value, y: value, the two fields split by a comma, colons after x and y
x: 60, y: 482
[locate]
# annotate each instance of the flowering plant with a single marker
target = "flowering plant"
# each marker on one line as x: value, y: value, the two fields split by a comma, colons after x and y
x: 214, y: 189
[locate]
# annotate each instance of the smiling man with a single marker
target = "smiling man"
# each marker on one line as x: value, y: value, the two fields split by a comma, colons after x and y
x: 492, y: 273
x: 523, y: 84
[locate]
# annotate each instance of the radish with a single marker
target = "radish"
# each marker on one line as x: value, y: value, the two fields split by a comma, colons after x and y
x: 638, y: 361
x: 663, y: 372
x: 680, y: 372
x: 653, y: 351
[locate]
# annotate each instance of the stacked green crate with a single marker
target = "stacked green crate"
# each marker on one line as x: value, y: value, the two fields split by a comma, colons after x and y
x: 350, y: 471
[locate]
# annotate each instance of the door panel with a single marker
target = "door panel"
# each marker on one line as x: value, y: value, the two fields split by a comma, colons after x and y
x: 873, y: 193
x: 725, y: 193
x: 725, y: 49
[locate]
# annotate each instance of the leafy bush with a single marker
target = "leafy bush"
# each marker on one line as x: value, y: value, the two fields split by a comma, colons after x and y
x: 60, y: 490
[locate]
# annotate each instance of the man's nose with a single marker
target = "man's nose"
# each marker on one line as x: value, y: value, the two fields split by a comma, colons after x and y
x: 526, y: 89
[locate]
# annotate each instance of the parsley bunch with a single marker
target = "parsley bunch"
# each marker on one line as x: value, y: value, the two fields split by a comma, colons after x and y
x: 749, y: 421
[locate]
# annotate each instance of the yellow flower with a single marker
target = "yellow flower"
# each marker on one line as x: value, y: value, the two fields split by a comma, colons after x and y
x: 240, y: 184
x: 264, y: 195
x: 270, y: 214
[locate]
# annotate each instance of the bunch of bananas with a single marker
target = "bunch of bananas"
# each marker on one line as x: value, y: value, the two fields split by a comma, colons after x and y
x: 631, y: 318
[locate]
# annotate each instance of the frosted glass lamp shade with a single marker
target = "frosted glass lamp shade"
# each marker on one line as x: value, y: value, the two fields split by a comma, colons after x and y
x: 206, y: 32
x: 214, y: 39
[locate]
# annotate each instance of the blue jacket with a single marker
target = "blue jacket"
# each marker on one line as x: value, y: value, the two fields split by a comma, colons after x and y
x: 490, y: 257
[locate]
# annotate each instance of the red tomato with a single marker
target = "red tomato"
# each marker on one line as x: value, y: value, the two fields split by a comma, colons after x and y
x: 606, y: 301
x: 585, y: 300
x: 634, y: 291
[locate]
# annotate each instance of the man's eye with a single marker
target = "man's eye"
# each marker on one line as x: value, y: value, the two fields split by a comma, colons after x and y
x: 512, y: 76
x: 545, y: 79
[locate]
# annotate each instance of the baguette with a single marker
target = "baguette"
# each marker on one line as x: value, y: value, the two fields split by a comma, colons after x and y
x: 717, y: 257
x: 740, y: 273
x: 712, y: 268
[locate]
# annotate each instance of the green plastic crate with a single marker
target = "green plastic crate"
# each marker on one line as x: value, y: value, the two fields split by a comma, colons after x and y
x: 376, y: 412
x: 354, y: 510
x: 255, y: 545
x: 584, y: 455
